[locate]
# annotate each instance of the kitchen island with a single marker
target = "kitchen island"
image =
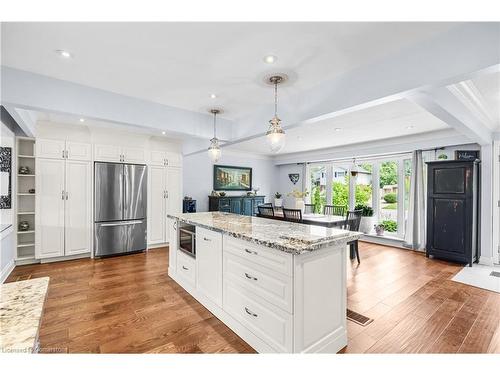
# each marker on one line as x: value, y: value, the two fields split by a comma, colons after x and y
x: 280, y: 286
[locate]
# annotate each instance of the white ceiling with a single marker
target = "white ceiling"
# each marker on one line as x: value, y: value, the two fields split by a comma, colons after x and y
x: 489, y: 87
x: 379, y: 122
x: 180, y: 64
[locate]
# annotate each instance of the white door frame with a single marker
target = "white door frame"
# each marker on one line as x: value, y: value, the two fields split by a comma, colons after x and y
x: 496, y: 201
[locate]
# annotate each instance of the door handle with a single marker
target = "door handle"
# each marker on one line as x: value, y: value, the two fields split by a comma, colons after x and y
x: 247, y: 310
x: 66, y: 153
x: 62, y: 152
x: 67, y: 195
x: 175, y: 225
x: 166, y: 194
x: 121, y: 223
x: 62, y: 195
x: 250, y: 277
x: 206, y: 239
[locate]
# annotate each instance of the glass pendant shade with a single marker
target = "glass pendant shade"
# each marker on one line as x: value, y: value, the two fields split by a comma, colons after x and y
x: 275, y: 135
x: 214, y: 150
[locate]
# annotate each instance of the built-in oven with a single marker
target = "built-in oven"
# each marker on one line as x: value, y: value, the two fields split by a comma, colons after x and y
x: 187, y: 239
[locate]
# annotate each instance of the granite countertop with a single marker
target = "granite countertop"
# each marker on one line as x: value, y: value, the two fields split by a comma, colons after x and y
x: 282, y: 235
x: 21, y: 306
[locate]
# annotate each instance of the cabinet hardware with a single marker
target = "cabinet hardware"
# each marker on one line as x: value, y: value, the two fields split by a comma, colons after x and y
x: 250, y: 313
x: 175, y: 225
x: 67, y: 195
x: 185, y: 268
x: 66, y: 153
x: 251, y: 252
x: 250, y: 277
x: 207, y: 239
x: 166, y: 161
x: 166, y: 193
x: 62, y: 195
x: 62, y: 154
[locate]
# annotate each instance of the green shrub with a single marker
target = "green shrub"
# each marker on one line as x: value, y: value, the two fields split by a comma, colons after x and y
x: 391, y: 198
x: 366, y: 210
x: 390, y: 225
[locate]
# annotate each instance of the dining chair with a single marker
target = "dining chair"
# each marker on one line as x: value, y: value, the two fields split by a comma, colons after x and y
x: 352, y: 222
x: 334, y: 210
x: 309, y: 208
x: 266, y: 211
x: 292, y: 214
x: 268, y: 204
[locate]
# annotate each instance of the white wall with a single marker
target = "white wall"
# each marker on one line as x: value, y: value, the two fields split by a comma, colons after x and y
x: 7, y: 249
x: 198, y: 175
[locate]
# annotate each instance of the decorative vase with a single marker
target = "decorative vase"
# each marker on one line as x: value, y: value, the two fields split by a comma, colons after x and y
x: 24, y: 226
x: 379, y: 230
x: 299, y: 204
x: 24, y: 170
x: 367, y: 224
x: 278, y: 202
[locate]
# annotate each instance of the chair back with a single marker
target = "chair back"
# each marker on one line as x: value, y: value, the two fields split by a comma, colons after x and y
x: 353, y: 220
x: 334, y: 210
x: 265, y: 210
x: 268, y: 204
x: 294, y: 215
x: 309, y: 208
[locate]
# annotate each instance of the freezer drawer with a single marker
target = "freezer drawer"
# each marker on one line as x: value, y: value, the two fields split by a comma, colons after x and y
x: 119, y: 237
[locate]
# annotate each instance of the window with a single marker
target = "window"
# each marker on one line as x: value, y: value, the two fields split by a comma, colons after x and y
x: 318, y: 186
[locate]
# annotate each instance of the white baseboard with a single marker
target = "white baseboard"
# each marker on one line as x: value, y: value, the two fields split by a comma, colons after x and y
x: 487, y: 261
x: 63, y: 258
x: 7, y: 270
x: 157, y: 245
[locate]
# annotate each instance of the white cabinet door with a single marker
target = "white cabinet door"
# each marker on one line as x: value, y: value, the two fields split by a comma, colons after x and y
x: 173, y: 159
x: 78, y: 151
x: 156, y: 198
x: 49, y: 148
x: 209, y: 264
x: 157, y: 158
x: 49, y: 208
x: 133, y: 155
x: 78, y: 207
x: 174, y: 191
x: 172, y: 245
x: 107, y: 153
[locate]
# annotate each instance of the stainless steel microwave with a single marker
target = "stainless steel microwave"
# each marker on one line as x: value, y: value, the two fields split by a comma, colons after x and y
x: 187, y: 239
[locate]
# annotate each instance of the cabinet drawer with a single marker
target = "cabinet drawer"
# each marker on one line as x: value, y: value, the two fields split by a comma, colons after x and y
x: 266, y: 321
x: 186, y: 267
x: 274, y: 287
x: 275, y: 260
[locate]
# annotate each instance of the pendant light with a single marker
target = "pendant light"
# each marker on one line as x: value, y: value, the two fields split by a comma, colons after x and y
x: 275, y: 134
x: 214, y: 151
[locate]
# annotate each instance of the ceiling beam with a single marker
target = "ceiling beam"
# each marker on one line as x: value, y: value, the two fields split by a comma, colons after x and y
x: 446, y: 106
x: 30, y: 91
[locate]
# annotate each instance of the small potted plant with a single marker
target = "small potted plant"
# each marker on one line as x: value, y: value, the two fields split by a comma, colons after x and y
x: 299, y: 198
x: 278, y: 202
x: 379, y: 229
x: 367, y: 219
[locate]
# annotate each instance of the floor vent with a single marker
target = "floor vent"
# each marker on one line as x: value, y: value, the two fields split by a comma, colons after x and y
x: 358, y: 318
x: 495, y: 273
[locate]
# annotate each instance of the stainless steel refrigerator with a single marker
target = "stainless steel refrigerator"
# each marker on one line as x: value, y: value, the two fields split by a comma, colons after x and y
x: 120, y: 212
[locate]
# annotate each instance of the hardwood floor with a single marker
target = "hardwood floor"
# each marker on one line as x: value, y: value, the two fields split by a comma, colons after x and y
x: 130, y: 305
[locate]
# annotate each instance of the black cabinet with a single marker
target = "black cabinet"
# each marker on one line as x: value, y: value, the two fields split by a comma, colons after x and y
x: 242, y: 205
x: 453, y: 210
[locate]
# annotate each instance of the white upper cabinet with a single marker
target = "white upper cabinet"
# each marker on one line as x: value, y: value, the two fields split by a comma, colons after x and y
x: 107, y: 153
x: 133, y: 155
x: 78, y: 151
x: 174, y: 159
x: 119, y: 154
x: 60, y: 149
x: 50, y: 148
x: 165, y: 158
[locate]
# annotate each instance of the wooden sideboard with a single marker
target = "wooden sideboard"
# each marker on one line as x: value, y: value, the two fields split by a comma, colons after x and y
x: 242, y: 205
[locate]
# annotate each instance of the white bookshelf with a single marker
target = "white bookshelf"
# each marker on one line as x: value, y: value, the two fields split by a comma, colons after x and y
x: 25, y: 207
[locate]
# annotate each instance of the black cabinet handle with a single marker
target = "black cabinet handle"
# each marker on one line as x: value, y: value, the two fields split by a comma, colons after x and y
x: 251, y: 252
x: 250, y: 277
x: 185, y: 268
x: 250, y: 313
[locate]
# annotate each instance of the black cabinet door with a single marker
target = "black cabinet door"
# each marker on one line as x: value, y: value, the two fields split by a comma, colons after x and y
x: 449, y: 225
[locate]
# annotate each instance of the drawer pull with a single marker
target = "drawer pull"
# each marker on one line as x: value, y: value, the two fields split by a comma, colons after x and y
x: 251, y: 252
x: 206, y: 239
x: 250, y: 313
x: 185, y: 268
x: 250, y: 277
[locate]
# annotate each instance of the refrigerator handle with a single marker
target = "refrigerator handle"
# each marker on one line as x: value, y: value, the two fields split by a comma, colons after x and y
x: 121, y: 223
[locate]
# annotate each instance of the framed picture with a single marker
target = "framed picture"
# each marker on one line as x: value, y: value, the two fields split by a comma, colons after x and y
x: 466, y: 154
x: 232, y: 178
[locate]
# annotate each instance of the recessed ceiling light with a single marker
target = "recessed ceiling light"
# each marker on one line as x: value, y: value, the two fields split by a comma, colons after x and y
x: 213, y: 96
x: 338, y: 129
x: 299, y: 138
x: 410, y: 127
x: 82, y: 120
x: 163, y: 133
x: 64, y: 53
x: 270, y: 59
